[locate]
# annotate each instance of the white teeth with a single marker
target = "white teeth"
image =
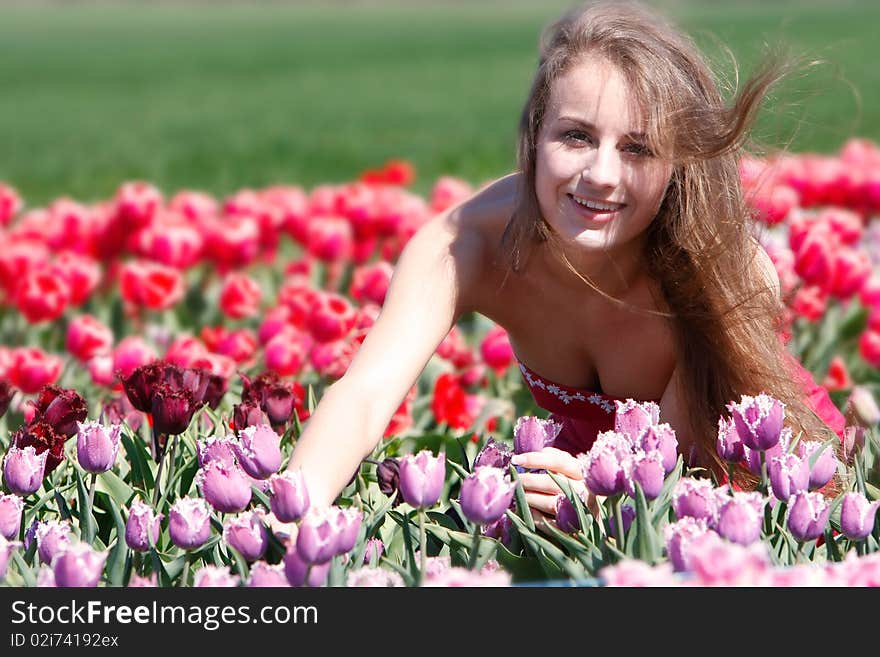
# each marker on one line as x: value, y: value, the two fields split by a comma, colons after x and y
x: 594, y: 205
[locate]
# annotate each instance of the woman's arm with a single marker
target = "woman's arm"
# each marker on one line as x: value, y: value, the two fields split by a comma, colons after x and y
x: 429, y: 290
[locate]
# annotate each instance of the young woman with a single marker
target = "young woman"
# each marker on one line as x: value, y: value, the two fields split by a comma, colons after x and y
x: 619, y: 259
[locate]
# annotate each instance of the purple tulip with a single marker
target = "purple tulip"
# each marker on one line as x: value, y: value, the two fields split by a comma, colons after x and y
x: 603, y: 464
x: 566, y: 515
x: 23, y: 469
x: 298, y: 570
x: 53, y: 538
x: 138, y: 582
x: 857, y: 516
x: 348, y: 524
x: 259, y: 451
x: 824, y: 466
x: 97, y: 446
x: 740, y: 518
x: 214, y: 576
x: 808, y: 515
x: 494, y: 454
x: 217, y: 449
x: 6, y: 548
x: 646, y: 470
x: 143, y: 526
x: 635, y: 573
x: 728, y: 444
x: 532, y: 434
x: 627, y: 515
x: 388, y: 477
x: 247, y: 534
x: 189, y: 523
x: 45, y: 577
x: 501, y: 530
x: 373, y: 552
x: 717, y: 562
x: 265, y: 575
x: 373, y: 578
x: 758, y: 420
x: 11, y: 507
x: 226, y: 488
x: 695, y: 498
x: 290, y: 496
x: 318, y: 535
x: 632, y: 417
x: 660, y: 438
x: 486, y: 494
x: 421, y: 478
x: 753, y: 456
x: 678, y: 536
x: 789, y: 474
x: 79, y: 566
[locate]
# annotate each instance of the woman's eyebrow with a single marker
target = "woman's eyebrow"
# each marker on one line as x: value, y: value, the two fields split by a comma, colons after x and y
x: 634, y: 136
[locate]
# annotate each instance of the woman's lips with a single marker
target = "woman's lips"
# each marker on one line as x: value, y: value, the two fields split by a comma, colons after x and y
x: 603, y: 215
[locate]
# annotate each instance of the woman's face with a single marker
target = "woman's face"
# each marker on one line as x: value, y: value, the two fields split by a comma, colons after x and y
x: 598, y: 184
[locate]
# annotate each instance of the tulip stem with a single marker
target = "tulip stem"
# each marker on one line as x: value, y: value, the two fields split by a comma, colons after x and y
x: 800, y: 549
x: 860, y: 548
x: 730, y: 469
x: 158, y: 482
x: 92, y: 492
x: 475, y: 549
x: 170, y: 481
x: 423, y: 540
x: 620, y: 533
x: 185, y: 574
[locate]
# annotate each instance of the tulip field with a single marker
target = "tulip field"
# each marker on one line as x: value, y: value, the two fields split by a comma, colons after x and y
x: 163, y: 349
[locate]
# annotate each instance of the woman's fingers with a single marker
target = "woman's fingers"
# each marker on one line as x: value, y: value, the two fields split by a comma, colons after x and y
x: 543, y: 502
x: 552, y: 459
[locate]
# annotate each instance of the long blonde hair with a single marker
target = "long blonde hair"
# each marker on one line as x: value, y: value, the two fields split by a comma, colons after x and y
x: 699, y: 247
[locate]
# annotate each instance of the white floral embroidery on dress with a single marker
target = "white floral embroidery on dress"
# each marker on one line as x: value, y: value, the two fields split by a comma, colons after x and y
x: 566, y: 398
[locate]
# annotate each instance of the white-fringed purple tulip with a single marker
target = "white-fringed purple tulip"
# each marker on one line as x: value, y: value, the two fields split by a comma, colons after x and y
x: 532, y: 434
x: 603, y: 464
x: 6, y: 548
x: 226, y: 488
x: 97, y: 446
x: 189, y: 523
x: 717, y: 562
x: 53, y: 538
x: 11, y: 507
x: 45, y: 577
x: 366, y: 576
x: 495, y: 454
x: 266, y: 575
x: 789, y: 474
x: 486, y: 494
x: 216, y: 448
x: 627, y: 515
x: 678, y: 536
x: 695, y: 498
x: 421, y: 478
x: 374, y: 550
x: 247, y: 534
x: 142, y: 527
x: 633, y: 417
x: 636, y: 573
x: 566, y: 516
x: 23, y: 469
x: 214, y: 576
x: 290, y: 497
x: 660, y: 438
x: 348, y: 524
x: 296, y: 569
x: 857, y: 516
x: 740, y: 518
x: 753, y: 456
x: 318, y: 535
x: 758, y: 420
x: 646, y: 470
x: 824, y: 465
x: 728, y: 444
x: 79, y: 565
x: 138, y: 582
x: 808, y: 515
x: 259, y: 451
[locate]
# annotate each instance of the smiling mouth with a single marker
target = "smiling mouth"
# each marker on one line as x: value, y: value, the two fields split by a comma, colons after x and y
x: 603, y: 207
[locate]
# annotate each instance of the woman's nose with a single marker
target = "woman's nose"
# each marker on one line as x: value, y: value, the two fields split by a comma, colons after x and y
x: 603, y: 169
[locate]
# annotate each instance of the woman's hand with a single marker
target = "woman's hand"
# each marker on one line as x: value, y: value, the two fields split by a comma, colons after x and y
x: 540, y: 489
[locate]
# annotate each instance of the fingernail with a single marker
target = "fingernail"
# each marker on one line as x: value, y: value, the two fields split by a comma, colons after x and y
x: 516, y: 460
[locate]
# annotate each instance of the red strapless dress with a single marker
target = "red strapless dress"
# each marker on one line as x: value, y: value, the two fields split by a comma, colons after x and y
x: 584, y: 414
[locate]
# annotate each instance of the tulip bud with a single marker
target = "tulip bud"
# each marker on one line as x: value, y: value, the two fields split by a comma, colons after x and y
x: 808, y: 515
x: 211, y: 576
x: 532, y: 434
x: 627, y: 515
x: 317, y: 538
x: 240, y: 296
x: 88, y: 337
x: 265, y: 575
x: 729, y: 445
x: 226, y: 488
x: 61, y: 408
x: 348, y: 524
x: 290, y: 496
x: 23, y: 469
x: 11, y: 507
x: 53, y: 538
x: 824, y: 465
x: 189, y: 523
x: 740, y: 518
x: 297, y: 569
x: 645, y: 469
x: 789, y: 474
x: 603, y: 464
x: 421, y: 478
x: 79, y: 566
x: 632, y: 417
x: 566, y: 515
x: 678, y: 536
x: 247, y: 534
x: 758, y: 420
x: 138, y: 582
x: 863, y: 406
x: 857, y: 516
x: 97, y: 446
x: 494, y: 454
x: 6, y: 548
x: 695, y: 498
x: 259, y: 451
x: 143, y: 526
x: 660, y: 438
x: 486, y: 494
x: 496, y: 350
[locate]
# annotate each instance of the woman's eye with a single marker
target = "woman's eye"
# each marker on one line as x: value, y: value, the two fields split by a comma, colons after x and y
x: 636, y: 148
x: 576, y: 135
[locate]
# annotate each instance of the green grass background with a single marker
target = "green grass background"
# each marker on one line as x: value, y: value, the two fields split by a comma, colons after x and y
x: 221, y: 96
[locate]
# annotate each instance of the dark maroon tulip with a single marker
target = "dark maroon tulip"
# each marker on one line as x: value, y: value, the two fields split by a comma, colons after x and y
x: 278, y: 405
x: 388, y: 475
x: 196, y: 380
x: 139, y: 385
x: 62, y: 408
x: 215, y: 390
x: 248, y: 414
x: 275, y: 397
x: 118, y: 409
x: 43, y: 437
x: 5, y: 396
x: 172, y: 409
